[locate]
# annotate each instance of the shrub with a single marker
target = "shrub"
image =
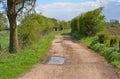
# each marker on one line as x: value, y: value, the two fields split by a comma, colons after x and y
x: 101, y: 38
x: 108, y: 39
x: 32, y: 27
x: 89, y: 23
x: 75, y: 35
x: 119, y: 45
x: 113, y: 42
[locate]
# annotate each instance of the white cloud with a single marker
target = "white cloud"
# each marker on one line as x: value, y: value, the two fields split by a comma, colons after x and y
x: 66, y: 11
x: 107, y: 1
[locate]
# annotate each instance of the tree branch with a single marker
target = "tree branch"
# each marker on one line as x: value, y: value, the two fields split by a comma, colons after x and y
x: 23, y: 3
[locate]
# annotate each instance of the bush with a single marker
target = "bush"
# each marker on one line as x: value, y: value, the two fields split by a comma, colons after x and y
x: 104, y: 38
x: 101, y: 38
x: 109, y: 40
x: 113, y: 42
x: 89, y: 23
x: 75, y: 35
x: 32, y: 27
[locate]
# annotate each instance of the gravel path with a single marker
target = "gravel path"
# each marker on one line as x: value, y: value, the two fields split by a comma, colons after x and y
x: 81, y: 63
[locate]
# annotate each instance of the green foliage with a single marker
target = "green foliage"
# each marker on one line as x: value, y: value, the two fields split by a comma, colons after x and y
x: 63, y: 25
x: 117, y: 64
x: 33, y: 27
x: 113, y: 42
x: 4, y: 40
x: 88, y: 40
x: 89, y: 23
x: 13, y: 65
x: 3, y: 22
x: 119, y: 44
x: 109, y: 40
x: 110, y: 53
x: 76, y: 35
x: 106, y: 37
x: 74, y: 25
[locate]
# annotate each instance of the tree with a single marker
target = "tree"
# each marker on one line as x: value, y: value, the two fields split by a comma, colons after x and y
x: 35, y: 26
x: 3, y: 22
x: 14, y: 8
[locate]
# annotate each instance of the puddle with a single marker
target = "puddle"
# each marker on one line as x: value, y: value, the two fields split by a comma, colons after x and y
x: 56, y: 60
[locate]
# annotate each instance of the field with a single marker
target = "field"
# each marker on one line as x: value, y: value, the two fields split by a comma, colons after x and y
x: 115, y: 31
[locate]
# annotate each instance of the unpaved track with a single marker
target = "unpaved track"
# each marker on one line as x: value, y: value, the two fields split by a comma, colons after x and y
x: 81, y: 63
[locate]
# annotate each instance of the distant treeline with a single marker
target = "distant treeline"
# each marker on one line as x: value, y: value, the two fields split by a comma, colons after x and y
x: 113, y: 23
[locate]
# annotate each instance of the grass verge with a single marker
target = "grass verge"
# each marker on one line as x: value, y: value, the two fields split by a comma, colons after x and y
x: 109, y: 53
x: 88, y: 40
x: 12, y: 65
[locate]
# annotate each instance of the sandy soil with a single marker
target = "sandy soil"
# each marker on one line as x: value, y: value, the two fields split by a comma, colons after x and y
x: 81, y: 63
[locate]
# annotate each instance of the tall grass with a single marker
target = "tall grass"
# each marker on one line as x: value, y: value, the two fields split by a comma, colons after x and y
x: 13, y: 65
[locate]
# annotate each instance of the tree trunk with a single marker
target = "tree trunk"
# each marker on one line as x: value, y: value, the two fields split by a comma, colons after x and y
x: 12, y: 15
x: 13, y: 44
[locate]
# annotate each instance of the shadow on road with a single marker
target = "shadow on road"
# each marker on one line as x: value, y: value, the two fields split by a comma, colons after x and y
x: 68, y: 37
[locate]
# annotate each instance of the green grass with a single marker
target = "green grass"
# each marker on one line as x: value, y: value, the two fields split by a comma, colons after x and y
x: 4, y: 40
x: 13, y: 65
x: 88, y: 40
x: 116, y: 64
x: 109, y: 53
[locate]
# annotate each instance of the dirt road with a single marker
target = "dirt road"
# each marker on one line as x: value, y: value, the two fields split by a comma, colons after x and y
x: 81, y: 63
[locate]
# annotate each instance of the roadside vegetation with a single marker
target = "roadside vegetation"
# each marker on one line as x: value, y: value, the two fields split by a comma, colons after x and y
x: 35, y: 26
x: 4, y: 40
x: 92, y: 30
x: 87, y: 24
x: 12, y: 65
x: 35, y: 33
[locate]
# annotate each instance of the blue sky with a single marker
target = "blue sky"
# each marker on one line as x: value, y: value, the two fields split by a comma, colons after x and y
x: 68, y: 9
x: 52, y: 1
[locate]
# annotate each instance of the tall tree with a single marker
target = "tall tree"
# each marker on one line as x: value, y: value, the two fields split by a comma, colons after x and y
x: 14, y: 8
